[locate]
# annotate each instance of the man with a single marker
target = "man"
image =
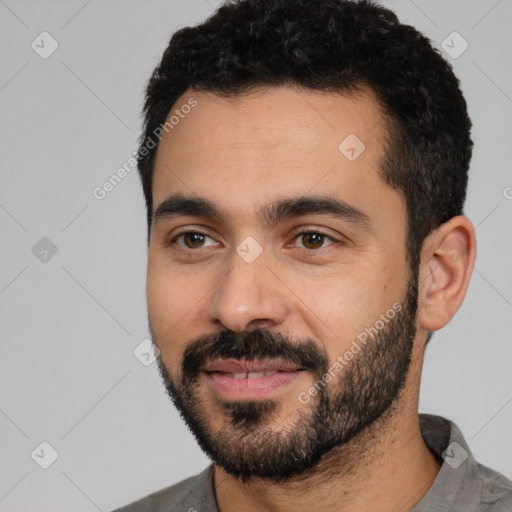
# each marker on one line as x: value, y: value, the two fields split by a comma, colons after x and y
x: 304, y: 164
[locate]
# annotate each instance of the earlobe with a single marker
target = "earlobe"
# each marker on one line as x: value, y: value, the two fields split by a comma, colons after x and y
x: 447, y: 260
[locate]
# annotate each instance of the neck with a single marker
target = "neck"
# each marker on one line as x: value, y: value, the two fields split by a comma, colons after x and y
x: 386, y: 467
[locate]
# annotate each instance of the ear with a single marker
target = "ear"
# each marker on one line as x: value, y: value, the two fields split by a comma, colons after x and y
x: 447, y: 260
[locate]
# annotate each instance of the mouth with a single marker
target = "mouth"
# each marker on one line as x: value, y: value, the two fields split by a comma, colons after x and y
x: 248, y: 375
x: 249, y: 380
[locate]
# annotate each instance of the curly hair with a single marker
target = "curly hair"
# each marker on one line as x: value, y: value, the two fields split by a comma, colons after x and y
x: 340, y: 46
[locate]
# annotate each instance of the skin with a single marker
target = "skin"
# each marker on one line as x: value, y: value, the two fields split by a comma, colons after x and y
x: 242, y: 153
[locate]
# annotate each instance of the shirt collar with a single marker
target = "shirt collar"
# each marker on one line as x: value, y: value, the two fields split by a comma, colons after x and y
x: 458, y: 480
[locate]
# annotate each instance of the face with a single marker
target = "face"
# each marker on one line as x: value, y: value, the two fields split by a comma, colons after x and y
x: 279, y: 290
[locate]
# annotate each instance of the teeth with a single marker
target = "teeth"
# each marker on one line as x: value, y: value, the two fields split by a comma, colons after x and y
x: 251, y: 375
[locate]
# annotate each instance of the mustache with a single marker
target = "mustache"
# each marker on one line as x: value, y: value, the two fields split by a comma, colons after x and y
x: 250, y: 346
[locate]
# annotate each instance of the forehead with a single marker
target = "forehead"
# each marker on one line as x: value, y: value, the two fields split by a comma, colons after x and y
x: 271, y: 143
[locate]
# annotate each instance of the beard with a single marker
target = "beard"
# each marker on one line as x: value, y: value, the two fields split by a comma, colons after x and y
x: 248, y: 445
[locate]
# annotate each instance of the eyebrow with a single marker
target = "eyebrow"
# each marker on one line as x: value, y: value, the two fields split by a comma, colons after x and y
x: 271, y: 214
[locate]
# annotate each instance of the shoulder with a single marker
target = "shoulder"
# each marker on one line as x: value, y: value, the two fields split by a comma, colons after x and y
x: 496, y: 490
x: 462, y: 482
x: 176, y: 496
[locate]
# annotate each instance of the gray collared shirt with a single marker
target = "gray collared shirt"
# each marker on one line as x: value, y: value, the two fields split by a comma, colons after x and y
x: 462, y: 483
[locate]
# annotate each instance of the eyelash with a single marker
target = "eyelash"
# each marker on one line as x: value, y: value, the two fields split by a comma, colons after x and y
x: 295, y: 237
x: 315, y: 232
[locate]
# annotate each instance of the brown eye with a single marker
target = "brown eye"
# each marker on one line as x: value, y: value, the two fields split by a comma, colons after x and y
x: 193, y: 240
x: 314, y: 240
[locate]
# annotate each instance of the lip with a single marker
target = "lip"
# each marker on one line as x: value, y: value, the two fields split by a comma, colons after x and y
x: 236, y: 366
x: 232, y: 379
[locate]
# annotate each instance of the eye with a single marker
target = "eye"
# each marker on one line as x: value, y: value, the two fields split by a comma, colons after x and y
x: 310, y: 239
x: 193, y: 240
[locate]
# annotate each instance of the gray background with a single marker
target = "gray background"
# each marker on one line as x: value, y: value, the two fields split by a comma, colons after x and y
x: 70, y: 323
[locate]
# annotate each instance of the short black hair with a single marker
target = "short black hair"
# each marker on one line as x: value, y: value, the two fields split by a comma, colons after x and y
x: 340, y: 46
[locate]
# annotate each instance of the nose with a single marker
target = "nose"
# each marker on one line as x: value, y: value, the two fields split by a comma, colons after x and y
x: 248, y: 296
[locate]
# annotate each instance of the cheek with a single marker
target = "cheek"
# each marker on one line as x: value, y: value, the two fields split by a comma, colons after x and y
x: 171, y: 291
x: 161, y: 291
x: 338, y: 306
x: 171, y: 301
